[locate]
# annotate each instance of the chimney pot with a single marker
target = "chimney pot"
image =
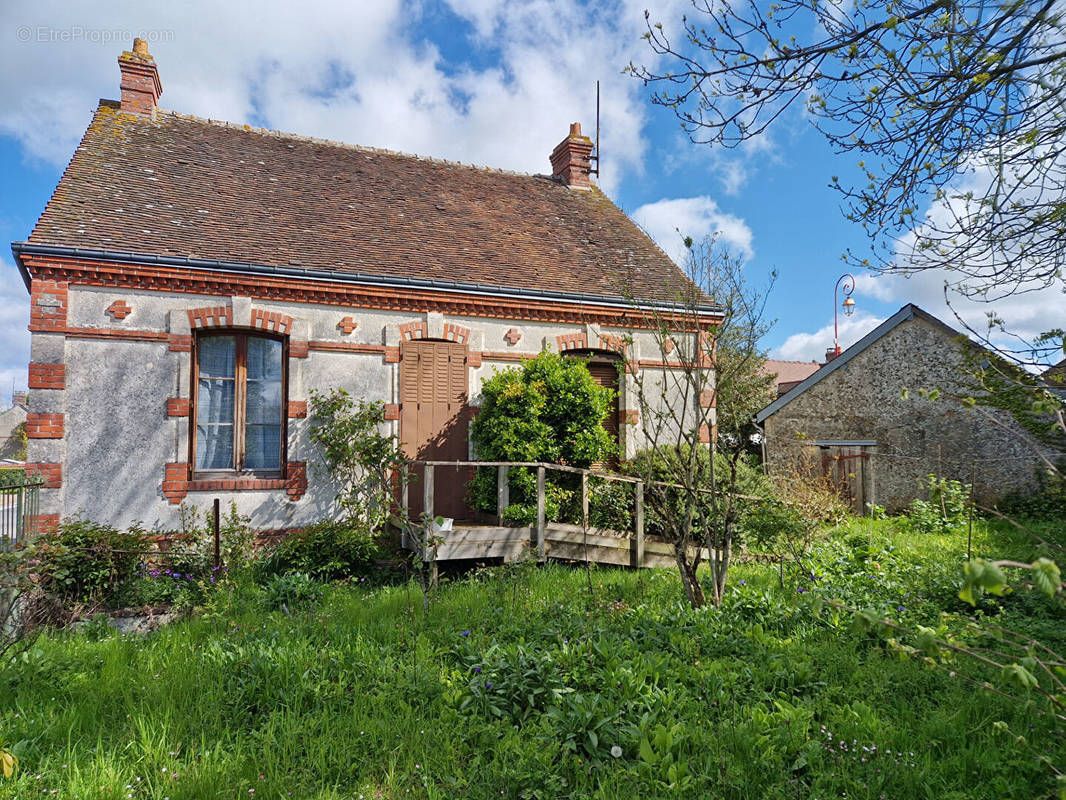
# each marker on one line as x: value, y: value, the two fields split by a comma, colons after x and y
x: 140, y: 84
x: 571, y: 159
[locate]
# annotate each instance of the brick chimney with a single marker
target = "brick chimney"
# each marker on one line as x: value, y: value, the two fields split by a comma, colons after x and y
x: 140, y: 80
x: 830, y: 354
x: 571, y: 160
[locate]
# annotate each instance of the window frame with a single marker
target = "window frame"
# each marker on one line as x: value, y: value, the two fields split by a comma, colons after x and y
x: 240, y: 390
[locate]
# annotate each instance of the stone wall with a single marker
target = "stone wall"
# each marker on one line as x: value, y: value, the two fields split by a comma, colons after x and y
x: 915, y: 435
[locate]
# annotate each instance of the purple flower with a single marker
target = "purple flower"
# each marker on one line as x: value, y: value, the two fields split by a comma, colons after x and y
x: 801, y: 590
x: 464, y: 634
x: 488, y: 685
x: 477, y: 670
x: 901, y: 609
x: 743, y: 583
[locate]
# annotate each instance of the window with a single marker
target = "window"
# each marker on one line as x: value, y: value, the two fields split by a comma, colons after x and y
x: 240, y: 394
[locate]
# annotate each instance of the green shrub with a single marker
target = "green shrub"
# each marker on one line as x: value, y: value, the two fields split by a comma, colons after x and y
x: 290, y: 592
x: 662, y: 464
x: 1047, y: 500
x: 327, y: 550
x: 550, y: 410
x: 86, y: 562
x: 948, y: 506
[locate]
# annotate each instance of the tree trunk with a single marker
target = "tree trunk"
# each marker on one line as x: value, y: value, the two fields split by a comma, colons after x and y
x: 693, y: 589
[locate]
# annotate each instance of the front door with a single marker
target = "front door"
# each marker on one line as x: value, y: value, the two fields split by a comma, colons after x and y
x: 433, y: 419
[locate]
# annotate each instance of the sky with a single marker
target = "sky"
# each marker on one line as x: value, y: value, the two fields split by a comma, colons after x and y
x: 477, y: 81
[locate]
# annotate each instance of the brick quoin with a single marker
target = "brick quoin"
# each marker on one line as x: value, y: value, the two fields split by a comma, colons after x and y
x: 47, y: 376
x: 630, y: 416
x: 179, y: 406
x: 175, y: 481
x: 44, y: 426
x: 48, y: 305
x: 392, y: 411
x: 296, y: 480
x: 299, y: 349
x: 297, y: 409
x: 179, y: 343
x: 44, y: 523
x: 51, y: 474
x: 707, y: 398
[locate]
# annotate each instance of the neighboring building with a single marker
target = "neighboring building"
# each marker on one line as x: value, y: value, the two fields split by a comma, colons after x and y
x: 864, y: 419
x: 193, y: 281
x: 10, y: 420
x: 788, y: 374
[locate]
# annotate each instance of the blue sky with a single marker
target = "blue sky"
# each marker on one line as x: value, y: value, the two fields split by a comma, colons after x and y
x: 477, y: 81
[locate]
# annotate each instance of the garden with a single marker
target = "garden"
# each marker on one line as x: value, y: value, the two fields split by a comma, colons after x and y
x: 309, y: 672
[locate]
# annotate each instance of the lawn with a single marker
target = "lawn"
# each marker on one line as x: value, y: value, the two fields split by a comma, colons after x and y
x: 548, y: 682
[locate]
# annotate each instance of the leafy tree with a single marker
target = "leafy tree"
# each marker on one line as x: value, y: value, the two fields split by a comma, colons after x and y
x: 548, y: 409
x: 711, y: 390
x: 958, y: 102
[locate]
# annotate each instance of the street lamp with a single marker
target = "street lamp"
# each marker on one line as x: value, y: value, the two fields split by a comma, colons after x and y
x: 848, y: 281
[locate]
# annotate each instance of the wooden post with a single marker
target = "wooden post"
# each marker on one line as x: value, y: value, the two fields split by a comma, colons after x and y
x: 405, y: 506
x: 585, y: 500
x: 503, y: 493
x: 540, y: 515
x: 429, y: 551
x: 638, y: 524
x: 218, y: 554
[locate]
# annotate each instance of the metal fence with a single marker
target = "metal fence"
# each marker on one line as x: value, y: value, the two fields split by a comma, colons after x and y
x: 20, y: 498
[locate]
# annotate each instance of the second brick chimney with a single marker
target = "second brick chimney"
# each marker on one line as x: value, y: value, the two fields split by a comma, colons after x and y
x: 571, y: 159
x: 140, y: 80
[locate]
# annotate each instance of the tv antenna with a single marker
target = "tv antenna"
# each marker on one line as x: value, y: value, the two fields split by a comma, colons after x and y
x: 596, y: 157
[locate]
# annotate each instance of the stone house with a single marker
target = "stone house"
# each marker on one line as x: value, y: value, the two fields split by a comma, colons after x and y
x: 192, y: 281
x: 11, y: 422
x: 864, y: 419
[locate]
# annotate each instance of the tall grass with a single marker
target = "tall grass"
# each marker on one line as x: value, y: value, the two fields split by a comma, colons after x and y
x: 494, y: 691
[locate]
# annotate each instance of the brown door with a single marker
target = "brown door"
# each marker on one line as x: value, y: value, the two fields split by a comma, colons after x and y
x: 844, y: 467
x: 605, y: 373
x: 433, y: 419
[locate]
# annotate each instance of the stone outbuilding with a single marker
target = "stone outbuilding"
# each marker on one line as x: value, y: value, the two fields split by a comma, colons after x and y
x: 887, y: 412
x: 193, y: 281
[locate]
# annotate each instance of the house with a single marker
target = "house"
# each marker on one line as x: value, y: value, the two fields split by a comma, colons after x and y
x: 11, y: 421
x: 886, y: 413
x: 787, y: 374
x: 192, y: 281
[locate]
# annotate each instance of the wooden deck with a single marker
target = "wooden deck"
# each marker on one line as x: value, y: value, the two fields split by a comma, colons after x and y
x: 562, y: 542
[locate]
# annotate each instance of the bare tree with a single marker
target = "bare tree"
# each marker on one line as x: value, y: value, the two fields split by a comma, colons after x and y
x: 957, y: 103
x: 694, y: 414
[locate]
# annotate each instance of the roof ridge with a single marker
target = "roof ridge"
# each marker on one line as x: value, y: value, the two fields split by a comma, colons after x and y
x: 297, y: 137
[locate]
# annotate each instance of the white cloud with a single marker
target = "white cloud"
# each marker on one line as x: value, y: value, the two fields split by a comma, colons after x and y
x: 14, y: 337
x: 350, y: 71
x: 668, y: 221
x: 812, y: 346
x: 1025, y: 315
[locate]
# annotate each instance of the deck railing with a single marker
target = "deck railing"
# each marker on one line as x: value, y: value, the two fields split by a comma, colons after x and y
x: 503, y: 500
x: 19, y: 508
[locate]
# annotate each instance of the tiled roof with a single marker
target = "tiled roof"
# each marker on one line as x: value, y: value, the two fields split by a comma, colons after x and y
x: 194, y: 188
x: 789, y: 372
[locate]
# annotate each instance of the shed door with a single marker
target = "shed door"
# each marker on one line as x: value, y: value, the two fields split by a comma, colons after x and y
x: 433, y: 419
x: 845, y: 467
